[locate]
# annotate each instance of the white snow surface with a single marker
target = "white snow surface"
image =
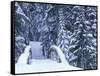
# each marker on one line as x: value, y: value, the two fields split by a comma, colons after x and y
x: 41, y: 64
x: 60, y: 53
x: 23, y: 58
x: 19, y: 38
x: 89, y: 35
x: 87, y: 22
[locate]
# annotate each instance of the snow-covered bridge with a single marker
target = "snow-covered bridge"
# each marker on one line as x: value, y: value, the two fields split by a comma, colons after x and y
x: 38, y: 63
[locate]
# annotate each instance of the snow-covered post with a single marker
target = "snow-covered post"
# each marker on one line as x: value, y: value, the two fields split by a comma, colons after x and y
x: 60, y: 54
x: 24, y: 57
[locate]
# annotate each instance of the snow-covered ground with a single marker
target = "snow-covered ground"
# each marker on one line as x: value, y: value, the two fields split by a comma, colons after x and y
x: 40, y: 63
x: 43, y: 65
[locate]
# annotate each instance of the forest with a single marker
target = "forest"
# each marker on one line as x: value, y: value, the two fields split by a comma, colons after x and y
x: 73, y: 28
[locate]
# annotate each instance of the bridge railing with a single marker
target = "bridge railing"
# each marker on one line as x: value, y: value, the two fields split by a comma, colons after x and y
x: 57, y: 52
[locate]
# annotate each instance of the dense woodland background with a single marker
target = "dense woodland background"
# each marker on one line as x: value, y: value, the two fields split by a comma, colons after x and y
x: 70, y: 27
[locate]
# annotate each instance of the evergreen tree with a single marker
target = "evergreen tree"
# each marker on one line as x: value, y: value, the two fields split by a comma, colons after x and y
x: 50, y: 36
x: 83, y: 47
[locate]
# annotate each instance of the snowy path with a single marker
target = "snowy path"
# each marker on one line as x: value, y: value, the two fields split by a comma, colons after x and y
x: 40, y: 63
x: 36, y: 50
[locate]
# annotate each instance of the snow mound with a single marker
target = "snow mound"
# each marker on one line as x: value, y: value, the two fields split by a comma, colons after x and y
x: 24, y: 57
x: 60, y: 53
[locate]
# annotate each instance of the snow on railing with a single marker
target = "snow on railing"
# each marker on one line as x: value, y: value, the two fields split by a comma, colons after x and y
x: 24, y: 57
x: 60, y: 53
